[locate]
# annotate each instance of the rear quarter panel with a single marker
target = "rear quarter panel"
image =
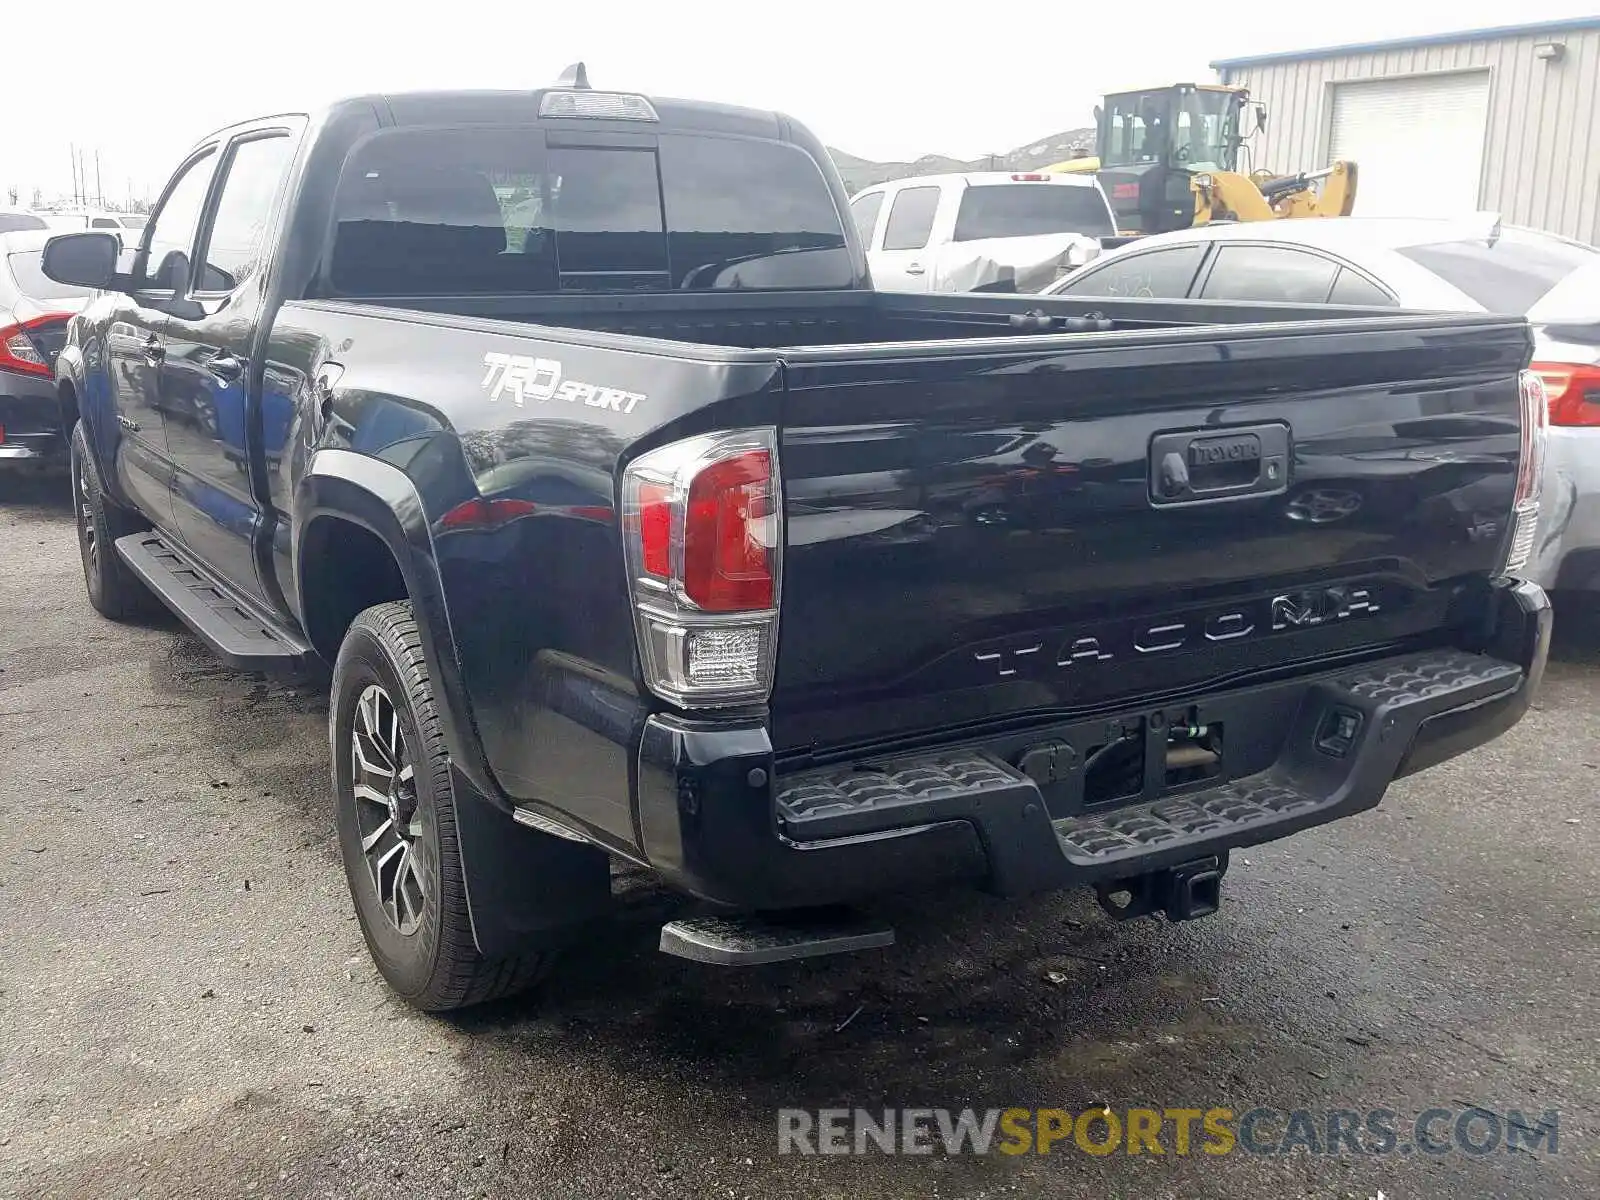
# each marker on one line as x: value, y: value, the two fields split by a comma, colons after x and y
x: 535, y: 601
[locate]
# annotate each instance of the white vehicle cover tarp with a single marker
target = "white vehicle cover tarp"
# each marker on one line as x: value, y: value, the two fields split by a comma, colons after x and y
x: 1033, y: 262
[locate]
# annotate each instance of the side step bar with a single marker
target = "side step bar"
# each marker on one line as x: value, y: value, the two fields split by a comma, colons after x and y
x: 750, y: 941
x: 238, y: 632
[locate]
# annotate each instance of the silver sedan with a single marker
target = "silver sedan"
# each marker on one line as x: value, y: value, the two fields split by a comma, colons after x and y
x: 1471, y: 264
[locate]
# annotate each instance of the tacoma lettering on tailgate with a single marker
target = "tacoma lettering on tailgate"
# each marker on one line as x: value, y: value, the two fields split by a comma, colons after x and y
x: 528, y: 378
x: 1294, y: 610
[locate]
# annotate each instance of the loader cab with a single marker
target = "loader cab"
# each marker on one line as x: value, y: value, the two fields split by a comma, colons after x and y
x: 1151, y: 142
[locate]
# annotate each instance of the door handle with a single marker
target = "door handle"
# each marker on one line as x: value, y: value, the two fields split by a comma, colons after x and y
x: 914, y: 269
x: 1204, y: 466
x: 323, y: 390
x: 225, y: 368
x: 154, y: 351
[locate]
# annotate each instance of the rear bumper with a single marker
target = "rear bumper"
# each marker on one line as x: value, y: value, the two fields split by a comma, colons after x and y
x: 714, y: 821
x: 29, y: 418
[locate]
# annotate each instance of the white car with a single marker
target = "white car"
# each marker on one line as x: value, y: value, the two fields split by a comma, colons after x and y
x: 1462, y: 264
x: 991, y: 229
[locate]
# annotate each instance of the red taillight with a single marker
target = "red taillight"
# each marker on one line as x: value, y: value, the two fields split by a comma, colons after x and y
x: 702, y: 524
x: 1125, y: 191
x: 727, y: 564
x: 1574, y: 391
x: 17, y: 350
x: 1031, y: 177
x: 655, y: 529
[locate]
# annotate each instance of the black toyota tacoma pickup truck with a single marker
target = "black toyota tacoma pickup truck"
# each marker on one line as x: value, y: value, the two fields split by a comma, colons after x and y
x: 566, y: 426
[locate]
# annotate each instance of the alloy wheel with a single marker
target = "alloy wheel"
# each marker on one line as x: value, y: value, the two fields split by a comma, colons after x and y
x: 88, y: 543
x: 389, y: 820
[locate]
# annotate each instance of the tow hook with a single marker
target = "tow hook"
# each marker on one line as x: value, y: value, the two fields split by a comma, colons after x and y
x: 1185, y: 892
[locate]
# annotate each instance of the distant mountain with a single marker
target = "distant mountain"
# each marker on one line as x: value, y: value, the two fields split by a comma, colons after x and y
x: 863, y: 172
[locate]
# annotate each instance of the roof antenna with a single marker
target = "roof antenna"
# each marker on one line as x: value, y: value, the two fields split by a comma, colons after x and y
x: 576, y: 76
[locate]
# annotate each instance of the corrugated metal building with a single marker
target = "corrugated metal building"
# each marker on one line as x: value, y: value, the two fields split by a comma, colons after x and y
x: 1504, y: 119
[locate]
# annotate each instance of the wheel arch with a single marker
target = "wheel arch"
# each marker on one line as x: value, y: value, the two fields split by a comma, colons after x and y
x: 75, y: 405
x: 375, y: 504
x: 513, y: 874
x: 67, y: 404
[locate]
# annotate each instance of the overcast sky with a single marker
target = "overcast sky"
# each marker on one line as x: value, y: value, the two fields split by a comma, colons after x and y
x: 885, y: 79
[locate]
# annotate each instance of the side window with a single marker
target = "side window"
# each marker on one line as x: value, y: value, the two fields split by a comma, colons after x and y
x: 166, y: 262
x: 102, y: 223
x: 1354, y: 288
x: 1163, y: 274
x: 911, y: 218
x: 234, y: 244
x: 1275, y: 274
x: 864, y: 211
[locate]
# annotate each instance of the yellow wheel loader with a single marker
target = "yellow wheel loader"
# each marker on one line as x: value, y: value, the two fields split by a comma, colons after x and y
x: 1168, y: 158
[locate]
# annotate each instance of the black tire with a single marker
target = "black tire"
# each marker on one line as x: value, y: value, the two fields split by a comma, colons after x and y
x: 114, y: 591
x: 435, y: 965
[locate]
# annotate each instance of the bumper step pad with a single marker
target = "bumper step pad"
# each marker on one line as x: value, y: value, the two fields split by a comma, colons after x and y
x: 839, y: 803
x: 1181, y: 818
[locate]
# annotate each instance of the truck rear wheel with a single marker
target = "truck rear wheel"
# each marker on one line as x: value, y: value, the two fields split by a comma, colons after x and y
x: 396, y: 818
x: 114, y: 591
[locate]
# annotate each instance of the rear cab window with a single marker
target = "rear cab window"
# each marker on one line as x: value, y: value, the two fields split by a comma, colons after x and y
x: 18, y: 222
x: 1001, y: 210
x: 1505, y: 274
x: 492, y: 209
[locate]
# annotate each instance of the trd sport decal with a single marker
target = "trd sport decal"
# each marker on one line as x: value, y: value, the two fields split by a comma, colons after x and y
x: 526, y: 378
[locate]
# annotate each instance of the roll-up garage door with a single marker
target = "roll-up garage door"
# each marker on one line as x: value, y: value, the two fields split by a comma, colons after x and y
x: 1417, y: 142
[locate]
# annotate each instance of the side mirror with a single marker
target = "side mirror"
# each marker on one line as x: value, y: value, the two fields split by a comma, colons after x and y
x: 1098, y: 113
x: 82, y: 259
x: 1261, y: 116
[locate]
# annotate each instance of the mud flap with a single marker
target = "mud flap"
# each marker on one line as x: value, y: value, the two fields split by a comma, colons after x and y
x: 526, y: 890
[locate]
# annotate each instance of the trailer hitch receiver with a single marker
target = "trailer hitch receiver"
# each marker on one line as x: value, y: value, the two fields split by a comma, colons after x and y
x: 1185, y: 892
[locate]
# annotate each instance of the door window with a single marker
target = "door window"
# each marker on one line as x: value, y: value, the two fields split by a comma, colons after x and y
x: 1270, y: 274
x: 166, y: 261
x: 234, y: 247
x: 1354, y: 288
x: 864, y: 211
x: 1163, y: 274
x: 911, y: 218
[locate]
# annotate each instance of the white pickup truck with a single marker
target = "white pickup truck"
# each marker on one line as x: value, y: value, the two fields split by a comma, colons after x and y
x: 992, y: 230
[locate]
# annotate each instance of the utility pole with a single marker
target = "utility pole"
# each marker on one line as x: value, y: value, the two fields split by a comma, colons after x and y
x: 73, y: 150
x: 99, y: 192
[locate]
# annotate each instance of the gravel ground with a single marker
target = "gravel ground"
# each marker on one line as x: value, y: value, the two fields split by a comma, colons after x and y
x: 186, y: 1007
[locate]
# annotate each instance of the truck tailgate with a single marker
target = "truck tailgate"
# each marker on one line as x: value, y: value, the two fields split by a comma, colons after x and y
x: 1002, y: 529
